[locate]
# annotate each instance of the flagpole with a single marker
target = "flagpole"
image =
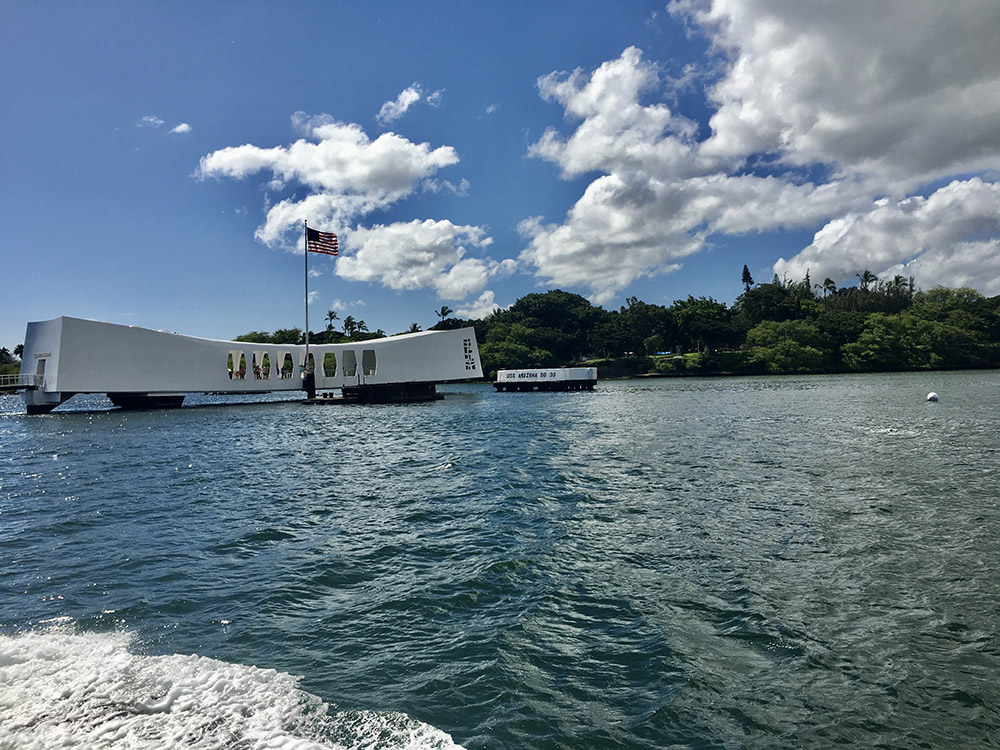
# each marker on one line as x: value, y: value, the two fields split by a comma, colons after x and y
x: 305, y: 253
x: 308, y: 377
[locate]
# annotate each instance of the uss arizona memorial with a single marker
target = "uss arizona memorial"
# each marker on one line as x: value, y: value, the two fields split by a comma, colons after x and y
x: 140, y: 368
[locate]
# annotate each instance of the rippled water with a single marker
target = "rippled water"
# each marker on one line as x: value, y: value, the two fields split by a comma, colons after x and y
x: 703, y: 563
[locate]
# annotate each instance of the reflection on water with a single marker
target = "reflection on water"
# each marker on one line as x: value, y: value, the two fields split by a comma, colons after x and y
x: 746, y: 562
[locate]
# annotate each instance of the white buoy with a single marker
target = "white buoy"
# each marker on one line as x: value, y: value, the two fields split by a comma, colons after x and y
x: 932, y: 396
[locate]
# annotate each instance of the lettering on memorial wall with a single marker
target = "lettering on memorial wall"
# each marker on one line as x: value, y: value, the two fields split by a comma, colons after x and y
x: 470, y: 360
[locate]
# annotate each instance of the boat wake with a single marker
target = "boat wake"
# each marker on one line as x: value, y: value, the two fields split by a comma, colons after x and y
x: 62, y: 689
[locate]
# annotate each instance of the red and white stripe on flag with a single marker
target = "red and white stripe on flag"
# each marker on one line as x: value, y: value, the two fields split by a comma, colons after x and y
x: 321, y: 242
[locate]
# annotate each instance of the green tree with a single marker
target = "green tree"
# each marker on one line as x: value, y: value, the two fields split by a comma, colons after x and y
x: 774, y: 301
x: 444, y: 312
x: 940, y: 303
x: 508, y: 355
x: 787, y: 356
x: 639, y: 321
x: 704, y: 323
x: 556, y: 321
x: 905, y: 341
x: 331, y: 316
x: 288, y: 336
x: 789, y: 346
x: 771, y: 332
x: 747, y: 279
x: 255, y: 337
x: 610, y: 338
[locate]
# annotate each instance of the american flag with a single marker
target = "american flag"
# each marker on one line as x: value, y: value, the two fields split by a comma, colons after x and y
x: 321, y: 242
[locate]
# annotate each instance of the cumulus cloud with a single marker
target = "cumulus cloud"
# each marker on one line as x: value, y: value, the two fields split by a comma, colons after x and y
x: 855, y: 84
x: 347, y: 174
x: 150, y: 121
x: 427, y: 254
x: 951, y: 237
x: 658, y: 200
x: 181, y: 128
x: 820, y: 111
x: 483, y: 306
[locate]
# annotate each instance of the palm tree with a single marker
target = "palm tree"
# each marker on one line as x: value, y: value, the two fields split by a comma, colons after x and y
x: 350, y: 325
x: 414, y: 328
x: 867, y: 279
x: 330, y: 317
x: 828, y: 286
x: 444, y: 312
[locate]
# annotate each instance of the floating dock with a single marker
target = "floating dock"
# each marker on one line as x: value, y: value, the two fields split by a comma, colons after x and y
x: 139, y: 368
x: 552, y: 379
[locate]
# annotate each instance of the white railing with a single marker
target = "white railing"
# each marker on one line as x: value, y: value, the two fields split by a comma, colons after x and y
x: 23, y: 380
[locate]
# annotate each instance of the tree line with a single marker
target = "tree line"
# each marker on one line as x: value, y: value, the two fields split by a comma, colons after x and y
x: 777, y: 327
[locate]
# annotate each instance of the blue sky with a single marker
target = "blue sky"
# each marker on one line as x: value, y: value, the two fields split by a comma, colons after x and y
x: 158, y: 158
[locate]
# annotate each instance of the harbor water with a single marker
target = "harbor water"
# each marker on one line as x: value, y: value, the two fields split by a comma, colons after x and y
x: 691, y: 563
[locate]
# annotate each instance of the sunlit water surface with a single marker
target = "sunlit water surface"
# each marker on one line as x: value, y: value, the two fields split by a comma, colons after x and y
x: 700, y: 563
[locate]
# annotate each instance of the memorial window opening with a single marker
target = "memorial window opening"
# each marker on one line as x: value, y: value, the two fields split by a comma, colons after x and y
x: 329, y: 365
x: 258, y: 365
x: 350, y: 363
x: 237, y: 365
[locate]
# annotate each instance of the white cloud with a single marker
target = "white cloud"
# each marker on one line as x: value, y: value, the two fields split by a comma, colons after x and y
x: 617, y: 132
x: 419, y: 255
x: 907, y: 90
x: 348, y: 174
x: 951, y: 237
x: 436, y: 98
x: 150, y: 121
x: 820, y: 111
x: 339, y: 305
x: 181, y: 128
x: 392, y: 111
x: 657, y: 201
x: 479, y: 309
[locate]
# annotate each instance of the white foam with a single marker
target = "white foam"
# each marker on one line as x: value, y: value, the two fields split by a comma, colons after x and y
x: 61, y: 689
